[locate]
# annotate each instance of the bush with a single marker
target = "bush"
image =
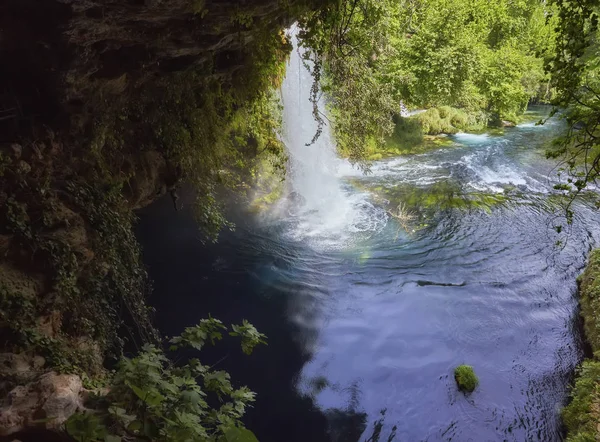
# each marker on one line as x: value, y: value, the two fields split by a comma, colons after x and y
x: 407, y: 133
x: 466, y: 379
x: 432, y: 122
x: 447, y: 120
x: 151, y: 398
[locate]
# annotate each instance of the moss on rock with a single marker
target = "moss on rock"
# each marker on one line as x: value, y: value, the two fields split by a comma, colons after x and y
x: 589, y: 289
x: 582, y: 415
x: 466, y: 379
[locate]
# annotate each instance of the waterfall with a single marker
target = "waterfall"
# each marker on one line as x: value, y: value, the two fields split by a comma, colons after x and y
x: 320, y: 204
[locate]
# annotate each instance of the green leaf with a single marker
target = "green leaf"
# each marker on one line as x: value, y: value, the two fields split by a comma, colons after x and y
x: 236, y: 434
x: 150, y: 397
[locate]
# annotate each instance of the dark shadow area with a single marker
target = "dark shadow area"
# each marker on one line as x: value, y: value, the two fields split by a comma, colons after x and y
x: 192, y: 280
x: 36, y: 54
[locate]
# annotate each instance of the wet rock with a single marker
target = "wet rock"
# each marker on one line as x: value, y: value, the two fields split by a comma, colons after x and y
x: 505, y: 123
x: 23, y: 168
x: 16, y: 151
x: 148, y: 172
x: 20, y: 367
x: 296, y: 198
x: 47, y: 403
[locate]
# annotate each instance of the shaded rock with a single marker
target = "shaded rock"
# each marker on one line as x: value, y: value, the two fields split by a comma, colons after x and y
x: 16, y: 151
x: 20, y: 367
x: 148, y: 172
x: 5, y: 244
x: 47, y: 402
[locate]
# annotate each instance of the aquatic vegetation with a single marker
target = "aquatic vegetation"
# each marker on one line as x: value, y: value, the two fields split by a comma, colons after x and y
x: 444, y: 195
x: 466, y: 379
x: 403, y: 216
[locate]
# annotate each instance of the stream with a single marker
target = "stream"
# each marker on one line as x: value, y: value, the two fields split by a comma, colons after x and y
x: 366, y: 313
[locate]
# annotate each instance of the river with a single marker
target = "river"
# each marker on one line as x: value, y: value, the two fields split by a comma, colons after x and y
x: 367, y: 314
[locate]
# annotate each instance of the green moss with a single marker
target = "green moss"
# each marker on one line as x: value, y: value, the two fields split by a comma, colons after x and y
x: 444, y: 195
x: 589, y: 289
x: 582, y: 415
x: 465, y: 377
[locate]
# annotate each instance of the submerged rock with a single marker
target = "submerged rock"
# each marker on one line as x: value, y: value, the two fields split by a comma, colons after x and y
x: 296, y: 198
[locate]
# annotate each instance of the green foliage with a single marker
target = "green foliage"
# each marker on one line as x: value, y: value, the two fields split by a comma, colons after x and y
x: 87, y: 292
x: 249, y: 335
x: 589, y: 299
x: 465, y: 378
x: 369, y: 56
x: 574, y: 71
x: 475, y: 55
x: 407, y: 133
x: 151, y: 398
x: 447, y: 120
x: 210, y: 133
x: 581, y: 416
x: 347, y: 42
x: 116, y: 279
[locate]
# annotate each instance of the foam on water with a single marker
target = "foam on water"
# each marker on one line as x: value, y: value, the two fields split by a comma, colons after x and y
x: 466, y: 138
x: 322, y: 211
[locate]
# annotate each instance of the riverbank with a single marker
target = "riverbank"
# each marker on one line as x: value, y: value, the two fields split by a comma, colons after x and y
x: 582, y: 415
x: 427, y: 130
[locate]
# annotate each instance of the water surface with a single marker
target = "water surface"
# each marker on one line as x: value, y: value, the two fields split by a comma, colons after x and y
x: 366, y: 314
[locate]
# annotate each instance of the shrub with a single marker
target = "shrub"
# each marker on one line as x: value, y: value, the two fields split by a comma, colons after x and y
x: 151, y: 398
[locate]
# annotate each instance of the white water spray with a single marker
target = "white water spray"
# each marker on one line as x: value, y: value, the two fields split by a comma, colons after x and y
x: 321, y: 205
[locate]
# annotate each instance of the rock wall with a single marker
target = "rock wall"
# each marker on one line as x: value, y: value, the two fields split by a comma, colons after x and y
x: 70, y: 272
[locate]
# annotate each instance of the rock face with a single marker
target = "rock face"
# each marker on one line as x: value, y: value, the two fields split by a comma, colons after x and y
x: 47, y: 402
x: 64, y: 63
x: 57, y: 52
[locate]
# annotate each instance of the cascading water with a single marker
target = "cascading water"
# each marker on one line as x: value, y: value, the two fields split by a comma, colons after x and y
x: 319, y: 204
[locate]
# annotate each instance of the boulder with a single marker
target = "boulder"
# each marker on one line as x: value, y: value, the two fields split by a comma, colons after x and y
x: 47, y: 403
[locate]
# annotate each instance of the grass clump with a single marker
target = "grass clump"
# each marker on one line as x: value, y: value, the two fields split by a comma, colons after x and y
x: 466, y: 379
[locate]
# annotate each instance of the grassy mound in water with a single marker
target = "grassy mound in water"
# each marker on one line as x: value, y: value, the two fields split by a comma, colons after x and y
x: 466, y: 379
x: 582, y: 415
